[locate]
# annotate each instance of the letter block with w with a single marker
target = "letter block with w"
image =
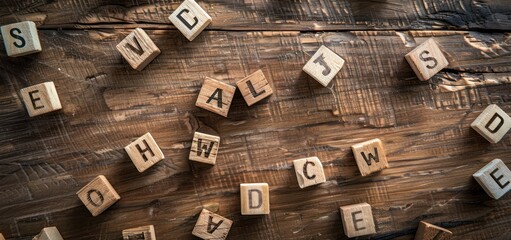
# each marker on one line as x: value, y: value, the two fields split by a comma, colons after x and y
x: 204, y: 148
x: 370, y: 156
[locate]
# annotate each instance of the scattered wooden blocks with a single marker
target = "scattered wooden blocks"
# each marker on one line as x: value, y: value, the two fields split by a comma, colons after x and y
x: 493, y: 123
x: 357, y: 220
x: 309, y: 171
x: 139, y: 233
x: 211, y: 226
x: 40, y: 99
x: 48, y: 233
x: 495, y: 178
x: 144, y: 152
x: 426, y: 60
x: 370, y: 156
x: 255, y: 198
x: 324, y: 65
x: 138, y: 49
x: 21, y: 39
x: 204, y: 148
x: 215, y: 96
x: 428, y: 231
x: 254, y: 87
x: 190, y: 19
x: 98, y: 195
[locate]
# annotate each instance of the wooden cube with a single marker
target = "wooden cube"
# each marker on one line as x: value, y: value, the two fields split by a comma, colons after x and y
x: 138, y: 49
x: 428, y: 231
x: 48, y: 233
x: 254, y: 87
x: 357, y: 220
x: 324, y: 65
x: 493, y: 123
x: 190, y: 19
x: 211, y: 226
x: 255, y: 198
x: 98, y: 195
x: 40, y: 99
x: 495, y: 178
x: 21, y: 39
x: 215, y: 96
x: 204, y: 148
x: 144, y: 152
x: 309, y: 171
x: 2, y: 237
x: 426, y: 60
x: 139, y: 233
x: 370, y: 156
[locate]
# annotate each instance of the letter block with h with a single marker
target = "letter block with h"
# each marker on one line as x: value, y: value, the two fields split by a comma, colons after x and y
x: 370, y: 156
x: 255, y: 198
x: 98, y: 195
x: 204, y: 148
x: 40, y: 99
x: 357, y: 220
x: 493, y: 123
x: 494, y: 178
x: 144, y: 152
x: 21, y: 39
x: 190, y: 19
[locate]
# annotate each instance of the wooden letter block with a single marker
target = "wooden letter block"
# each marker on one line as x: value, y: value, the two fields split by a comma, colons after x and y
x: 211, y: 226
x: 370, y: 156
x: 40, y: 99
x: 493, y: 123
x: 21, y: 39
x: 428, y: 231
x: 495, y: 178
x: 2, y: 237
x: 357, y: 220
x: 254, y: 87
x: 204, y: 148
x: 98, y: 195
x: 138, y: 49
x: 426, y: 60
x: 255, y: 198
x: 215, y: 96
x: 190, y: 19
x: 309, y: 171
x: 49, y: 233
x: 324, y: 65
x: 144, y: 152
x: 139, y: 233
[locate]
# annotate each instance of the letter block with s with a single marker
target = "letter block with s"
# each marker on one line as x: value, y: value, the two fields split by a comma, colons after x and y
x: 427, y: 59
x: 21, y: 39
x: 493, y: 123
x: 40, y: 99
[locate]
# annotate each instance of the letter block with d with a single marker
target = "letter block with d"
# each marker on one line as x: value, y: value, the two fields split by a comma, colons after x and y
x: 254, y: 87
x: 494, y: 178
x: 40, y: 99
x: 370, y: 156
x: 204, y: 148
x: 21, y: 39
x: 190, y: 19
x: 138, y: 49
x: 211, y: 226
x: 427, y: 231
x: 144, y: 152
x: 357, y: 220
x: 255, y: 198
x: 426, y: 60
x: 139, y: 233
x: 324, y: 65
x: 309, y: 171
x: 215, y: 96
x: 493, y: 123
x: 98, y: 195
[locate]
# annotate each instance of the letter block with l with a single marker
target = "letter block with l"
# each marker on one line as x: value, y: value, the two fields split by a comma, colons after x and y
x: 255, y: 198
x: 493, y: 123
x: 21, y: 39
x: 204, y: 148
x: 370, y: 156
x: 494, y: 178
x: 40, y: 99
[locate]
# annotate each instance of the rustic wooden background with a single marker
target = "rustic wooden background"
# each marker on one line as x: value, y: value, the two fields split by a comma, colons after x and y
x: 424, y: 125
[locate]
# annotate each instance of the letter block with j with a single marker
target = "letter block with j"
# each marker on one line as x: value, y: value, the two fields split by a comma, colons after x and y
x: 370, y: 156
x: 190, y: 19
x: 98, y: 195
x: 493, y: 123
x: 255, y: 198
x: 40, y: 99
x: 204, y: 148
x: 138, y: 49
x: 211, y: 226
x: 21, y: 39
x: 494, y: 178
x: 144, y: 152
x: 324, y: 65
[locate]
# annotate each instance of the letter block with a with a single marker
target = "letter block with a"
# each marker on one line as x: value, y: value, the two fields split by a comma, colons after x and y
x: 357, y: 220
x: 211, y: 226
x: 139, y: 233
x: 493, y: 123
x: 254, y: 87
x: 144, y: 152
x: 215, y: 96
x: 48, y: 233
x: 309, y: 171
x: 190, y: 19
x: 494, y: 178
x: 98, y: 195
x: 370, y: 156
x: 138, y: 49
x: 426, y: 60
x: 40, y: 99
x: 21, y: 39
x: 427, y: 231
x: 255, y: 198
x: 324, y: 65
x: 204, y: 148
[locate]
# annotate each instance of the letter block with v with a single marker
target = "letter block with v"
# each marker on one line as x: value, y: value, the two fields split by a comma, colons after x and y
x: 211, y: 226
x: 370, y: 156
x: 138, y: 49
x: 204, y: 148
x: 324, y: 65
x: 493, y: 123
x: 144, y: 152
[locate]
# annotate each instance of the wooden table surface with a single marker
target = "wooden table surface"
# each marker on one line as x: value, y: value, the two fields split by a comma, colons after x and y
x: 424, y: 126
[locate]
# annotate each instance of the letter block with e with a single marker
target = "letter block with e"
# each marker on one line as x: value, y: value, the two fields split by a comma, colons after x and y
x: 255, y: 198
x: 426, y: 60
x: 138, y: 49
x: 144, y: 152
x: 21, y: 39
x: 40, y: 99
x: 357, y: 220
x: 254, y: 87
x: 324, y: 65
x: 204, y: 148
x: 215, y: 96
x: 98, y: 195
x: 309, y: 171
x: 211, y: 226
x: 370, y: 156
x: 494, y: 178
x: 493, y: 123
x: 190, y: 19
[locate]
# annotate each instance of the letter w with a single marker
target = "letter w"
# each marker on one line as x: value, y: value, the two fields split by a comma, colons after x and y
x: 207, y: 150
x: 371, y: 156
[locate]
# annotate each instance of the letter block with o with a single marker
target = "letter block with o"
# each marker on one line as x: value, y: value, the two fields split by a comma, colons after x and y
x: 40, y: 99
x: 211, y: 226
x: 21, y: 39
x: 215, y: 96
x: 98, y: 195
x: 494, y: 178
x: 138, y: 49
x: 357, y: 220
x: 190, y: 19
x: 324, y: 65
x: 426, y: 60
x: 204, y: 148
x: 144, y: 152
x: 309, y: 171
x: 493, y: 123
x: 255, y: 198
x: 370, y: 156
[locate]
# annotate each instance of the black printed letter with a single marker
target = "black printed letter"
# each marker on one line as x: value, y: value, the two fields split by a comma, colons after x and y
x: 99, y: 196
x: 184, y: 21
x: 207, y: 150
x: 217, y: 95
x: 305, y: 170
x: 496, y: 115
x: 357, y: 220
x: 14, y: 33
x: 138, y: 50
x: 421, y: 57
x: 213, y: 226
x: 497, y: 179
x: 321, y: 61
x: 34, y: 99
x: 143, y: 151
x: 260, y: 198
x: 371, y: 156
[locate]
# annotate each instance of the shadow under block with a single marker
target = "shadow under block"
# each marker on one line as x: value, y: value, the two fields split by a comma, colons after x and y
x: 48, y: 233
x: 211, y: 226
x: 428, y: 231
x: 494, y: 178
x: 370, y: 156
x: 309, y: 171
x: 138, y: 49
x: 21, y: 39
x: 139, y: 233
x: 190, y: 19
x: 426, y: 60
x: 204, y: 148
x: 215, y: 96
x: 40, y: 99
x: 98, y: 195
x: 324, y: 65
x: 255, y: 198
x: 357, y: 220
x: 493, y: 123
x: 144, y: 152
x: 254, y: 87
